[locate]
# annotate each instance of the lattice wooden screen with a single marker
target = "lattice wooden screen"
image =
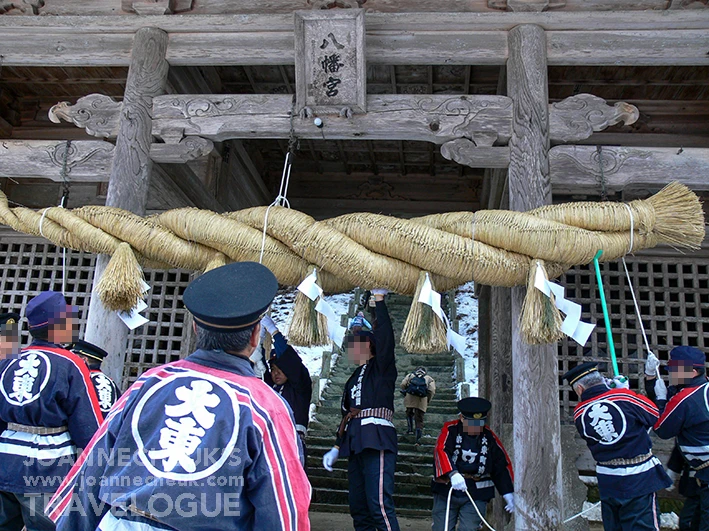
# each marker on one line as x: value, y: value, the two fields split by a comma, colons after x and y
x: 673, y: 294
x: 30, y: 266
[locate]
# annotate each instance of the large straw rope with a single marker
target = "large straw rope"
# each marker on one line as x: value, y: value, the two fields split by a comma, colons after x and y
x: 371, y: 250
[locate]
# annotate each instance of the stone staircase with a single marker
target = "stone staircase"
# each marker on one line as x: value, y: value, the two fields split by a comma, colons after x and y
x: 414, y: 468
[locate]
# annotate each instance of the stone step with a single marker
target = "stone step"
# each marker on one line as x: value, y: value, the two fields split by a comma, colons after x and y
x: 402, y: 489
x: 345, y: 508
x: 315, y: 461
x: 422, y: 479
x: 417, y: 502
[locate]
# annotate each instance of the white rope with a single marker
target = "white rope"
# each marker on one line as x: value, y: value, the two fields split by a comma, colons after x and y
x: 280, y: 200
x: 574, y: 517
x: 448, y: 510
x: 630, y: 282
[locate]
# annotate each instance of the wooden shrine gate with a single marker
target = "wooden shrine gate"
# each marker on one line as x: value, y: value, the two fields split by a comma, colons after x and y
x: 513, y: 130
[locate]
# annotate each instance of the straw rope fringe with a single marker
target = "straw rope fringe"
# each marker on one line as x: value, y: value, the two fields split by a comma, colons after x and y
x: 371, y: 250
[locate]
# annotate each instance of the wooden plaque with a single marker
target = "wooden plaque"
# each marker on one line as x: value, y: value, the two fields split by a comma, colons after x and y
x: 330, y: 70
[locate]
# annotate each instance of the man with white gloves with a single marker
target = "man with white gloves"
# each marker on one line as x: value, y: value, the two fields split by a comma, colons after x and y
x: 469, y: 456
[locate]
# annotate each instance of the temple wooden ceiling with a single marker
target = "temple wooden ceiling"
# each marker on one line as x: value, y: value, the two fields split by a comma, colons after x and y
x: 398, y: 177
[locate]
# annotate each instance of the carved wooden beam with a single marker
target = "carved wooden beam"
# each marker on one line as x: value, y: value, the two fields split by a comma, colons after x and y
x: 432, y: 118
x: 87, y: 160
x: 485, y: 120
x: 577, y: 169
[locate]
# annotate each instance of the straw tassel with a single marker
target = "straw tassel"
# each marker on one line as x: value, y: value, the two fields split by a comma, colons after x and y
x: 218, y: 260
x: 540, y: 321
x: 309, y: 327
x: 424, y: 332
x: 121, y: 285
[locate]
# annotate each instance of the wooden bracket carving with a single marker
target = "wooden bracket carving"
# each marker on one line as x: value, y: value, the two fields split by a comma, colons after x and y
x: 96, y: 113
x: 331, y: 4
x: 24, y: 7
x: 526, y: 5
x: 156, y: 7
x: 577, y: 117
x: 467, y: 153
x: 189, y: 149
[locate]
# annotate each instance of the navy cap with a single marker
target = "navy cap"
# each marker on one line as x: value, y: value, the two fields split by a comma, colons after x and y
x: 44, y: 307
x: 232, y: 297
x: 687, y: 356
x: 474, y: 408
x: 84, y: 348
x: 9, y: 318
x: 578, y: 372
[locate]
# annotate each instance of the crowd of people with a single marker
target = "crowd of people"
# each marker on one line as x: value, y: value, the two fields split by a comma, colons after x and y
x: 217, y: 440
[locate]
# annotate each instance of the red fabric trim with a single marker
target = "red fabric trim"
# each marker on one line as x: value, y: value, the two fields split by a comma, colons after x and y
x: 441, y: 461
x: 674, y: 402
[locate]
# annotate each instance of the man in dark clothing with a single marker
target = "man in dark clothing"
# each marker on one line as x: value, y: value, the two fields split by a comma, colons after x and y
x: 289, y: 377
x: 686, y: 416
x: 688, y: 487
x: 367, y: 435
x: 107, y: 391
x: 469, y: 456
x: 614, y: 422
x: 48, y: 413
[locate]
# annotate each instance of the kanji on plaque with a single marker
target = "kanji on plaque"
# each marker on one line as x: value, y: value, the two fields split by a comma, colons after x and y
x: 330, y: 61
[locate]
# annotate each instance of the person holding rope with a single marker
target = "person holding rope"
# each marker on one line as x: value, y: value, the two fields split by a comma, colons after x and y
x: 686, y: 415
x: 367, y: 436
x: 615, y: 422
x: 469, y: 456
x: 289, y: 377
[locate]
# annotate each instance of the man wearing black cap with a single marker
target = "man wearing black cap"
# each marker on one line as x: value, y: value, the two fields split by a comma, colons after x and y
x: 615, y: 422
x: 9, y: 335
x: 367, y: 435
x: 200, y: 443
x: 686, y: 417
x: 469, y: 456
x: 48, y: 412
x: 287, y: 375
x: 106, y: 389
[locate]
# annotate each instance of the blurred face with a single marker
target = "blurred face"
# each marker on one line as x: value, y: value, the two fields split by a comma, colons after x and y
x: 358, y: 350
x: 472, y: 426
x: 9, y: 343
x: 279, y: 378
x: 681, y: 374
x: 63, y: 328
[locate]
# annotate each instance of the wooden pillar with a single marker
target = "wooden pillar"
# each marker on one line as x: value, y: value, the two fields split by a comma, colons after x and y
x: 536, y: 439
x: 484, y: 356
x: 130, y: 177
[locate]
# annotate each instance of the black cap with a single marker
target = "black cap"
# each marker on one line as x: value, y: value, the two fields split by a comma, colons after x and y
x: 578, y: 372
x: 474, y: 408
x: 84, y: 348
x: 9, y: 318
x: 232, y: 297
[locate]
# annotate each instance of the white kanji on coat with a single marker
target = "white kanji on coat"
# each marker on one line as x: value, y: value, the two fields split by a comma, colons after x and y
x: 602, y: 422
x: 178, y: 440
x: 468, y: 456
x: 24, y: 378
x: 104, y: 390
x: 195, y: 401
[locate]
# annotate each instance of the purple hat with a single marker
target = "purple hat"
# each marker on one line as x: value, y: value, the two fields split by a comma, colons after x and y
x: 687, y: 356
x: 45, y: 308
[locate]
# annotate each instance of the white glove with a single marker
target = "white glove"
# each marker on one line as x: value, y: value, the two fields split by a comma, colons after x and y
x: 379, y: 291
x: 510, y: 499
x: 620, y: 382
x: 674, y: 476
x: 651, y: 364
x: 257, y: 359
x: 269, y: 325
x: 660, y: 389
x: 458, y: 482
x: 328, y: 460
